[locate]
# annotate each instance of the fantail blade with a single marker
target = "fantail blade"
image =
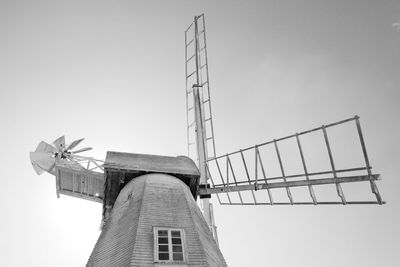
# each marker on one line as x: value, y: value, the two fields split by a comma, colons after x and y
x: 37, y: 169
x: 45, y: 147
x: 74, y: 144
x: 82, y: 150
x: 43, y: 160
x: 59, y: 142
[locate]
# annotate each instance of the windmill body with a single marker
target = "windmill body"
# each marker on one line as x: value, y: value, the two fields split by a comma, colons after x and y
x: 154, y: 195
x: 150, y: 216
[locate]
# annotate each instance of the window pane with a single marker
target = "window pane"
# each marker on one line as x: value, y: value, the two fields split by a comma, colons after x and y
x: 176, y: 233
x: 177, y: 257
x: 163, y: 248
x: 176, y: 241
x: 162, y: 233
x: 177, y: 248
x: 163, y: 256
x: 163, y: 240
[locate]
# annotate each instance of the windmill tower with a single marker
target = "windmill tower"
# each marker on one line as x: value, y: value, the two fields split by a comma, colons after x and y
x: 150, y: 215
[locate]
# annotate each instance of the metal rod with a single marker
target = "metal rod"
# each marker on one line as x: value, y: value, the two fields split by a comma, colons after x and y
x: 248, y: 176
x: 208, y: 86
x: 196, y: 48
x: 227, y: 170
x: 187, y: 77
x: 187, y: 97
x: 291, y: 136
x: 187, y: 60
x: 338, y: 187
x: 199, y: 68
x: 233, y: 176
x: 309, y: 174
x: 310, y: 189
x: 271, y: 200
x: 256, y: 165
x: 188, y: 28
x: 191, y: 41
x: 307, y: 203
x: 222, y: 179
x: 322, y: 181
x: 374, y: 188
x: 289, y: 194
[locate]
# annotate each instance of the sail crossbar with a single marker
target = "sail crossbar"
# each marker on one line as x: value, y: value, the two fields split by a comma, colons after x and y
x: 256, y: 170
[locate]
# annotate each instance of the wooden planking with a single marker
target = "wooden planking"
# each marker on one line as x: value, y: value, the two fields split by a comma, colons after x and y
x: 83, y: 184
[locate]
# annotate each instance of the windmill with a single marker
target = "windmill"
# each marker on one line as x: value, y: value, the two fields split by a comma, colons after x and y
x: 150, y: 216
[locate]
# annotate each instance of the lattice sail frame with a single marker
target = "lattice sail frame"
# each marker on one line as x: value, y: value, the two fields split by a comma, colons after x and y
x: 196, y: 73
x: 227, y: 181
x: 197, y: 77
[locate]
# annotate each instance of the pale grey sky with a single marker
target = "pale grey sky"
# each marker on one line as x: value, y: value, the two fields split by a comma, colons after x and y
x: 113, y: 72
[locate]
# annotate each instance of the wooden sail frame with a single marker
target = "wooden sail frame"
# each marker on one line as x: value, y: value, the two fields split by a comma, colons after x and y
x: 226, y: 182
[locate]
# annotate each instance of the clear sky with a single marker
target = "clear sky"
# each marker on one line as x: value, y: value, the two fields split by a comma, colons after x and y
x: 113, y: 72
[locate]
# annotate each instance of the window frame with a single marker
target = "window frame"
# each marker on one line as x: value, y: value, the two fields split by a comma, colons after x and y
x: 170, y: 250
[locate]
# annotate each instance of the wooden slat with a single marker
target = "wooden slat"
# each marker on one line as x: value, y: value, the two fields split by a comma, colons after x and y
x: 85, y: 184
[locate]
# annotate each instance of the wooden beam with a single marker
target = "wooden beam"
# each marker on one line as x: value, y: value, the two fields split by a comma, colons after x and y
x: 82, y: 196
x: 237, y: 188
x: 58, y: 182
x: 303, y: 203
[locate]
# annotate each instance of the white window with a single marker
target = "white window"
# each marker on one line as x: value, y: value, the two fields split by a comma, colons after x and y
x: 169, y: 245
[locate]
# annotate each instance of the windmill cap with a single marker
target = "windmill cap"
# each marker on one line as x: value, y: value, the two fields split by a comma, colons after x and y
x: 181, y: 167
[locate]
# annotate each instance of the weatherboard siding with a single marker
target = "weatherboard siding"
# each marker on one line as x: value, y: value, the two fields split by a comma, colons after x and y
x: 157, y: 200
x: 116, y: 242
